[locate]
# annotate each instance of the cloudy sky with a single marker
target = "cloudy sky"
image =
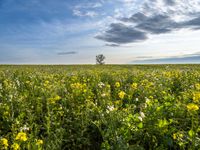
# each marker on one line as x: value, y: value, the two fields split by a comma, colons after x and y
x: 75, y: 31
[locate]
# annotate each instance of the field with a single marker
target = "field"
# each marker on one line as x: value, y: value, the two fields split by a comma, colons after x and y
x: 91, y: 107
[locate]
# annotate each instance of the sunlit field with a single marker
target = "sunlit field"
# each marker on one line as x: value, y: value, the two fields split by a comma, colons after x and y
x: 91, y: 107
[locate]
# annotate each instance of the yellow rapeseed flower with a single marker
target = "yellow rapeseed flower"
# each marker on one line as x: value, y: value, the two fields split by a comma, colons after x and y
x: 46, y: 83
x: 121, y: 94
x: 54, y: 99
x: 57, y: 97
x: 134, y: 85
x: 196, y: 97
x: 174, y: 136
x: 177, y: 136
x: 197, y: 86
x: 4, y: 142
x: 39, y: 142
x: 21, y: 136
x: 192, y: 107
x: 15, y: 146
x: 117, y: 84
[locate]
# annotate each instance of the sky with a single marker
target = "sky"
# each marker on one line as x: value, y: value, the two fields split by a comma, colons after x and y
x: 75, y: 31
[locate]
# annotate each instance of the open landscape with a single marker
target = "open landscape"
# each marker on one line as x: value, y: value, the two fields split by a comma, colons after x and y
x: 95, y: 107
x: 99, y: 74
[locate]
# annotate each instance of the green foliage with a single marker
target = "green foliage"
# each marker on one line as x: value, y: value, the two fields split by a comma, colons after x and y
x: 109, y: 107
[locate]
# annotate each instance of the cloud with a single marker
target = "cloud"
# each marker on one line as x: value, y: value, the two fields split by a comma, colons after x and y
x: 67, y: 53
x: 86, y: 9
x: 170, y: 2
x: 89, y: 5
x: 112, y: 45
x: 153, y: 18
x: 183, y: 59
x: 157, y: 24
x: 120, y: 34
x: 84, y: 14
x: 193, y: 23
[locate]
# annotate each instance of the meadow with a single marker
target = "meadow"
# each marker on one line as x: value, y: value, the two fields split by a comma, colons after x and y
x: 108, y: 107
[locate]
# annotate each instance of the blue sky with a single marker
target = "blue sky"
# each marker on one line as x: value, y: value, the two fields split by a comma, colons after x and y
x: 75, y: 31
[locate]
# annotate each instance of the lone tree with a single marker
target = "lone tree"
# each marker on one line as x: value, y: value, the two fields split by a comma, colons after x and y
x: 100, y: 59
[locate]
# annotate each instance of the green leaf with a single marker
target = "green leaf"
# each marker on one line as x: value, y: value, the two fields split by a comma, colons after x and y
x: 140, y: 125
x: 191, y: 133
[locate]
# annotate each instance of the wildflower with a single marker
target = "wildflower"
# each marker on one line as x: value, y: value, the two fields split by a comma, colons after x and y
x: 76, y: 85
x: 142, y: 114
x: 192, y: 107
x: 121, y: 94
x: 54, y: 99
x: 196, y: 97
x: 39, y: 142
x: 140, y: 118
x: 101, y: 84
x: 15, y: 146
x: 177, y: 136
x: 46, y: 83
x: 4, y: 142
x: 117, y: 84
x: 134, y: 85
x: 110, y: 108
x: 28, y: 82
x: 21, y: 136
x: 150, y: 97
x: 103, y: 95
x: 24, y: 128
x: 197, y: 86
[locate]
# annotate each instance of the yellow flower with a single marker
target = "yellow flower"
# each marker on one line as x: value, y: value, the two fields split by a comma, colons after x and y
x: 117, y: 84
x: 15, y: 146
x: 21, y: 136
x: 196, y: 97
x: 57, y: 97
x: 134, y: 85
x: 46, y: 83
x: 177, y: 136
x: 27, y: 82
x: 54, y: 99
x: 39, y: 142
x: 4, y: 142
x: 121, y: 94
x: 174, y: 136
x: 197, y: 86
x: 192, y: 107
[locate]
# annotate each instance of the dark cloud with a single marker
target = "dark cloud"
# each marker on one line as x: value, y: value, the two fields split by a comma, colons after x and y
x: 136, y: 18
x: 184, y: 59
x: 144, y: 57
x: 170, y: 2
x: 141, y: 24
x: 67, y: 53
x: 112, y: 45
x: 119, y: 33
x: 157, y: 24
x: 193, y: 23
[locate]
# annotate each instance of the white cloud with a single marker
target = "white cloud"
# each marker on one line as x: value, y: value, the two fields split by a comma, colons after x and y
x: 86, y: 9
x: 79, y: 13
x: 88, y: 5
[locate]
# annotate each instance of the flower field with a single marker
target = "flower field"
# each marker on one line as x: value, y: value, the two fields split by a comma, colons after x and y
x: 91, y: 107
